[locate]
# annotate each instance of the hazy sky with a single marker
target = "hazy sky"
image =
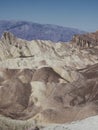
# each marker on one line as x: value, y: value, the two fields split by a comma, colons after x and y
x: 81, y: 14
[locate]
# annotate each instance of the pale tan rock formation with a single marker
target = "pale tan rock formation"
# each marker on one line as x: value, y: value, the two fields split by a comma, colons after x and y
x: 45, y: 82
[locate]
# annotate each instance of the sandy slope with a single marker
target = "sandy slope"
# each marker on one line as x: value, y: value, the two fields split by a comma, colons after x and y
x: 87, y: 124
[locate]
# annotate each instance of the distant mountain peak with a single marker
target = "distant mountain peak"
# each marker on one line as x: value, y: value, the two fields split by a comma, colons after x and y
x: 35, y: 31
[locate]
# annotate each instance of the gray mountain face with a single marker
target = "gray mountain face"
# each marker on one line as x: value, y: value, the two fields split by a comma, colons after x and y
x: 33, y: 31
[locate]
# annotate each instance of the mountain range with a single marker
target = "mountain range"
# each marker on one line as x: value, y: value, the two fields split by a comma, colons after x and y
x: 32, y: 31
